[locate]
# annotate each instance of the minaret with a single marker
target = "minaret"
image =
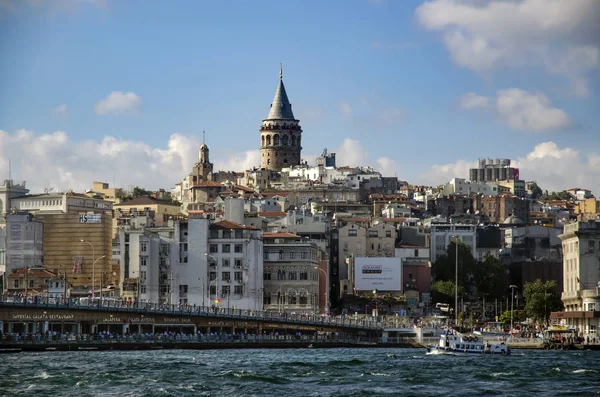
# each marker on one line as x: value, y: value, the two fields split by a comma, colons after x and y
x: 280, y: 133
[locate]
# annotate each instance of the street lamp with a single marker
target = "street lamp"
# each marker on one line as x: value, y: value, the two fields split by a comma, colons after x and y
x: 93, y: 267
x: 456, y: 280
x: 512, y: 302
x: 216, y: 289
x: 216, y: 270
x: 326, y: 297
x: 202, y: 285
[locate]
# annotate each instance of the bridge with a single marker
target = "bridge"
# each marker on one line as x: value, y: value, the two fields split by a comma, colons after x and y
x: 124, y: 318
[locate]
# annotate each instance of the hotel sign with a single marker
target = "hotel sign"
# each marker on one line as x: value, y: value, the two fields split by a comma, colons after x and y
x: 90, y: 218
x: 175, y: 320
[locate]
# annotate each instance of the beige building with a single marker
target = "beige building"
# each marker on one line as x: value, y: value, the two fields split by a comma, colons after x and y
x: 356, y: 240
x: 104, y: 190
x: 581, y: 277
x: 69, y: 218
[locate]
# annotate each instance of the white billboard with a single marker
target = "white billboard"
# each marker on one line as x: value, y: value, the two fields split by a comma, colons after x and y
x: 383, y: 274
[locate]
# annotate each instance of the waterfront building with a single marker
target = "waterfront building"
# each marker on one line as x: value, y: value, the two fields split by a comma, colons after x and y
x: 28, y: 281
x: 291, y: 273
x: 280, y: 133
x: 24, y: 242
x: 442, y: 234
x: 581, y: 277
x: 8, y: 191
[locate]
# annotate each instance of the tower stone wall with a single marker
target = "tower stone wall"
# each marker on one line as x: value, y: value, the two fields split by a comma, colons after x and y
x: 280, y: 134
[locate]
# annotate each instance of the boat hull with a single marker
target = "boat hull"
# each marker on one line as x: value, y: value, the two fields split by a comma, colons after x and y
x: 456, y: 352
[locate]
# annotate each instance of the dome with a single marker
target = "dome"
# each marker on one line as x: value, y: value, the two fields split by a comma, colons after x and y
x: 513, y: 220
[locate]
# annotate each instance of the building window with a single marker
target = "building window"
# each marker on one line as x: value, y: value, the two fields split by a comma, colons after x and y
x: 266, y: 276
x: 292, y: 300
x: 280, y: 275
x: 142, y: 289
x: 303, y: 275
x: 304, y: 300
x: 292, y: 255
x: 226, y: 233
x: 293, y: 275
x: 238, y: 276
x: 303, y: 255
x: 225, y: 290
x: 266, y: 300
x: 183, y: 289
x: 226, y: 248
x: 388, y: 233
x: 280, y: 254
x: 373, y: 233
x: 212, y: 276
x: 225, y: 262
x: 238, y: 290
x: 143, y: 260
x: 238, y: 263
x: 352, y: 233
x: 213, y: 290
x: 226, y: 276
x: 143, y: 276
x: 239, y: 248
x: 213, y: 248
x: 16, y: 284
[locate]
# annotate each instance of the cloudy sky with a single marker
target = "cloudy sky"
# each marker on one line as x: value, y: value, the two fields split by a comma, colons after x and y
x: 122, y: 90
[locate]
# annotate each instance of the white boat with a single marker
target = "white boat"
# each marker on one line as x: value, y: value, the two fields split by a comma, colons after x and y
x: 452, y: 342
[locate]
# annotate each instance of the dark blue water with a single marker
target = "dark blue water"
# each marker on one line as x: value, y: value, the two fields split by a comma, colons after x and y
x: 299, y: 372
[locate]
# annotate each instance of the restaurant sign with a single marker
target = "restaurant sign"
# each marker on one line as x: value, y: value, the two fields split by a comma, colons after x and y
x: 42, y: 317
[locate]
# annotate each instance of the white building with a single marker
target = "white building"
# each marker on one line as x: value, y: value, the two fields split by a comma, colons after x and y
x: 443, y: 234
x: 235, y: 265
x: 581, y: 277
x: 462, y: 186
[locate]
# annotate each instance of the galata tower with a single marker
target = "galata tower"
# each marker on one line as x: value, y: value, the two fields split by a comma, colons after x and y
x: 280, y: 133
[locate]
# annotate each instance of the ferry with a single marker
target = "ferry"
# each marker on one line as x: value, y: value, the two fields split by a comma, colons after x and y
x: 452, y: 342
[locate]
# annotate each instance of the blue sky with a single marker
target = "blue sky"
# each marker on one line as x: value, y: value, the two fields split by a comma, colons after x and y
x: 389, y: 77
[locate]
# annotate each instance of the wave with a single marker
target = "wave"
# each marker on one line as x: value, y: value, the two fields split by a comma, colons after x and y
x: 252, y: 376
x: 582, y: 371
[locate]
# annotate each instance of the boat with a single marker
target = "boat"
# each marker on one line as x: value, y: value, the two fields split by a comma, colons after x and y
x: 452, y: 342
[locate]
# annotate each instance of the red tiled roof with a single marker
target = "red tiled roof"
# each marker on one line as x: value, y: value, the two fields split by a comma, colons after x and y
x: 144, y: 201
x: 393, y: 219
x: 244, y: 188
x: 281, y: 235
x: 232, y: 225
x: 272, y: 214
x: 206, y: 184
x: 32, y: 273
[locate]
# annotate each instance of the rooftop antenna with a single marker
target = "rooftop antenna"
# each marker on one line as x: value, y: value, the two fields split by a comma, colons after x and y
x: 203, y: 137
x: 9, y: 170
x: 280, y: 71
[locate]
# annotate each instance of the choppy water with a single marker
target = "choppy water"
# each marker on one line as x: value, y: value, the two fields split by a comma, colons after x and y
x: 298, y: 372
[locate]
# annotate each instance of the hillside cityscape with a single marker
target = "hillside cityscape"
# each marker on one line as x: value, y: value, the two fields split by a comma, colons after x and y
x: 287, y: 236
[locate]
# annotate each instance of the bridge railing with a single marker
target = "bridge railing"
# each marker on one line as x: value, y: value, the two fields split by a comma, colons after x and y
x: 347, y: 321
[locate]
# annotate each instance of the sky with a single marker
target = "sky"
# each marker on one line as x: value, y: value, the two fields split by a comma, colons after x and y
x: 121, y: 91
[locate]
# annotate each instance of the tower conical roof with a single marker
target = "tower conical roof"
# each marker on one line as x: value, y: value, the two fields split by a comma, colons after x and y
x: 281, y: 108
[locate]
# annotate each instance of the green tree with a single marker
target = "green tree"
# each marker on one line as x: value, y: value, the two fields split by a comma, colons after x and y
x: 491, y: 278
x: 541, y: 298
x: 140, y: 192
x: 445, y: 267
x: 443, y: 292
x: 519, y: 316
x: 536, y: 191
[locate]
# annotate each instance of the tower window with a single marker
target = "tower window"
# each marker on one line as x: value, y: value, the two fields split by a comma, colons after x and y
x: 284, y: 140
x: 269, y: 161
x: 268, y: 140
x: 284, y: 161
x: 276, y: 140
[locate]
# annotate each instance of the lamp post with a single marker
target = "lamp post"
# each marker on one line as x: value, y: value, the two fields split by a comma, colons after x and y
x: 326, y: 306
x: 216, y: 289
x: 202, y: 286
x: 216, y: 270
x: 93, y: 267
x: 457, y: 239
x: 512, y: 299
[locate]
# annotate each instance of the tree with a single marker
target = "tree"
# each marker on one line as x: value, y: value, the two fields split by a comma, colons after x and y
x: 491, y: 278
x: 536, y: 191
x: 445, y: 267
x: 443, y: 292
x: 140, y: 192
x: 541, y: 299
x: 518, y: 316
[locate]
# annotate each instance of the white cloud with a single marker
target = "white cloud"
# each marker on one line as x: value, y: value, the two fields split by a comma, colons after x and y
x: 239, y: 161
x: 472, y: 101
x: 560, y: 36
x: 553, y: 167
x: 352, y: 153
x: 60, y: 110
x: 53, y: 160
x: 346, y: 109
x: 525, y: 111
x: 118, y: 102
x: 520, y: 109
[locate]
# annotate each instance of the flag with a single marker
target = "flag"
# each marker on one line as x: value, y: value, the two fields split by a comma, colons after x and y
x: 77, y: 264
